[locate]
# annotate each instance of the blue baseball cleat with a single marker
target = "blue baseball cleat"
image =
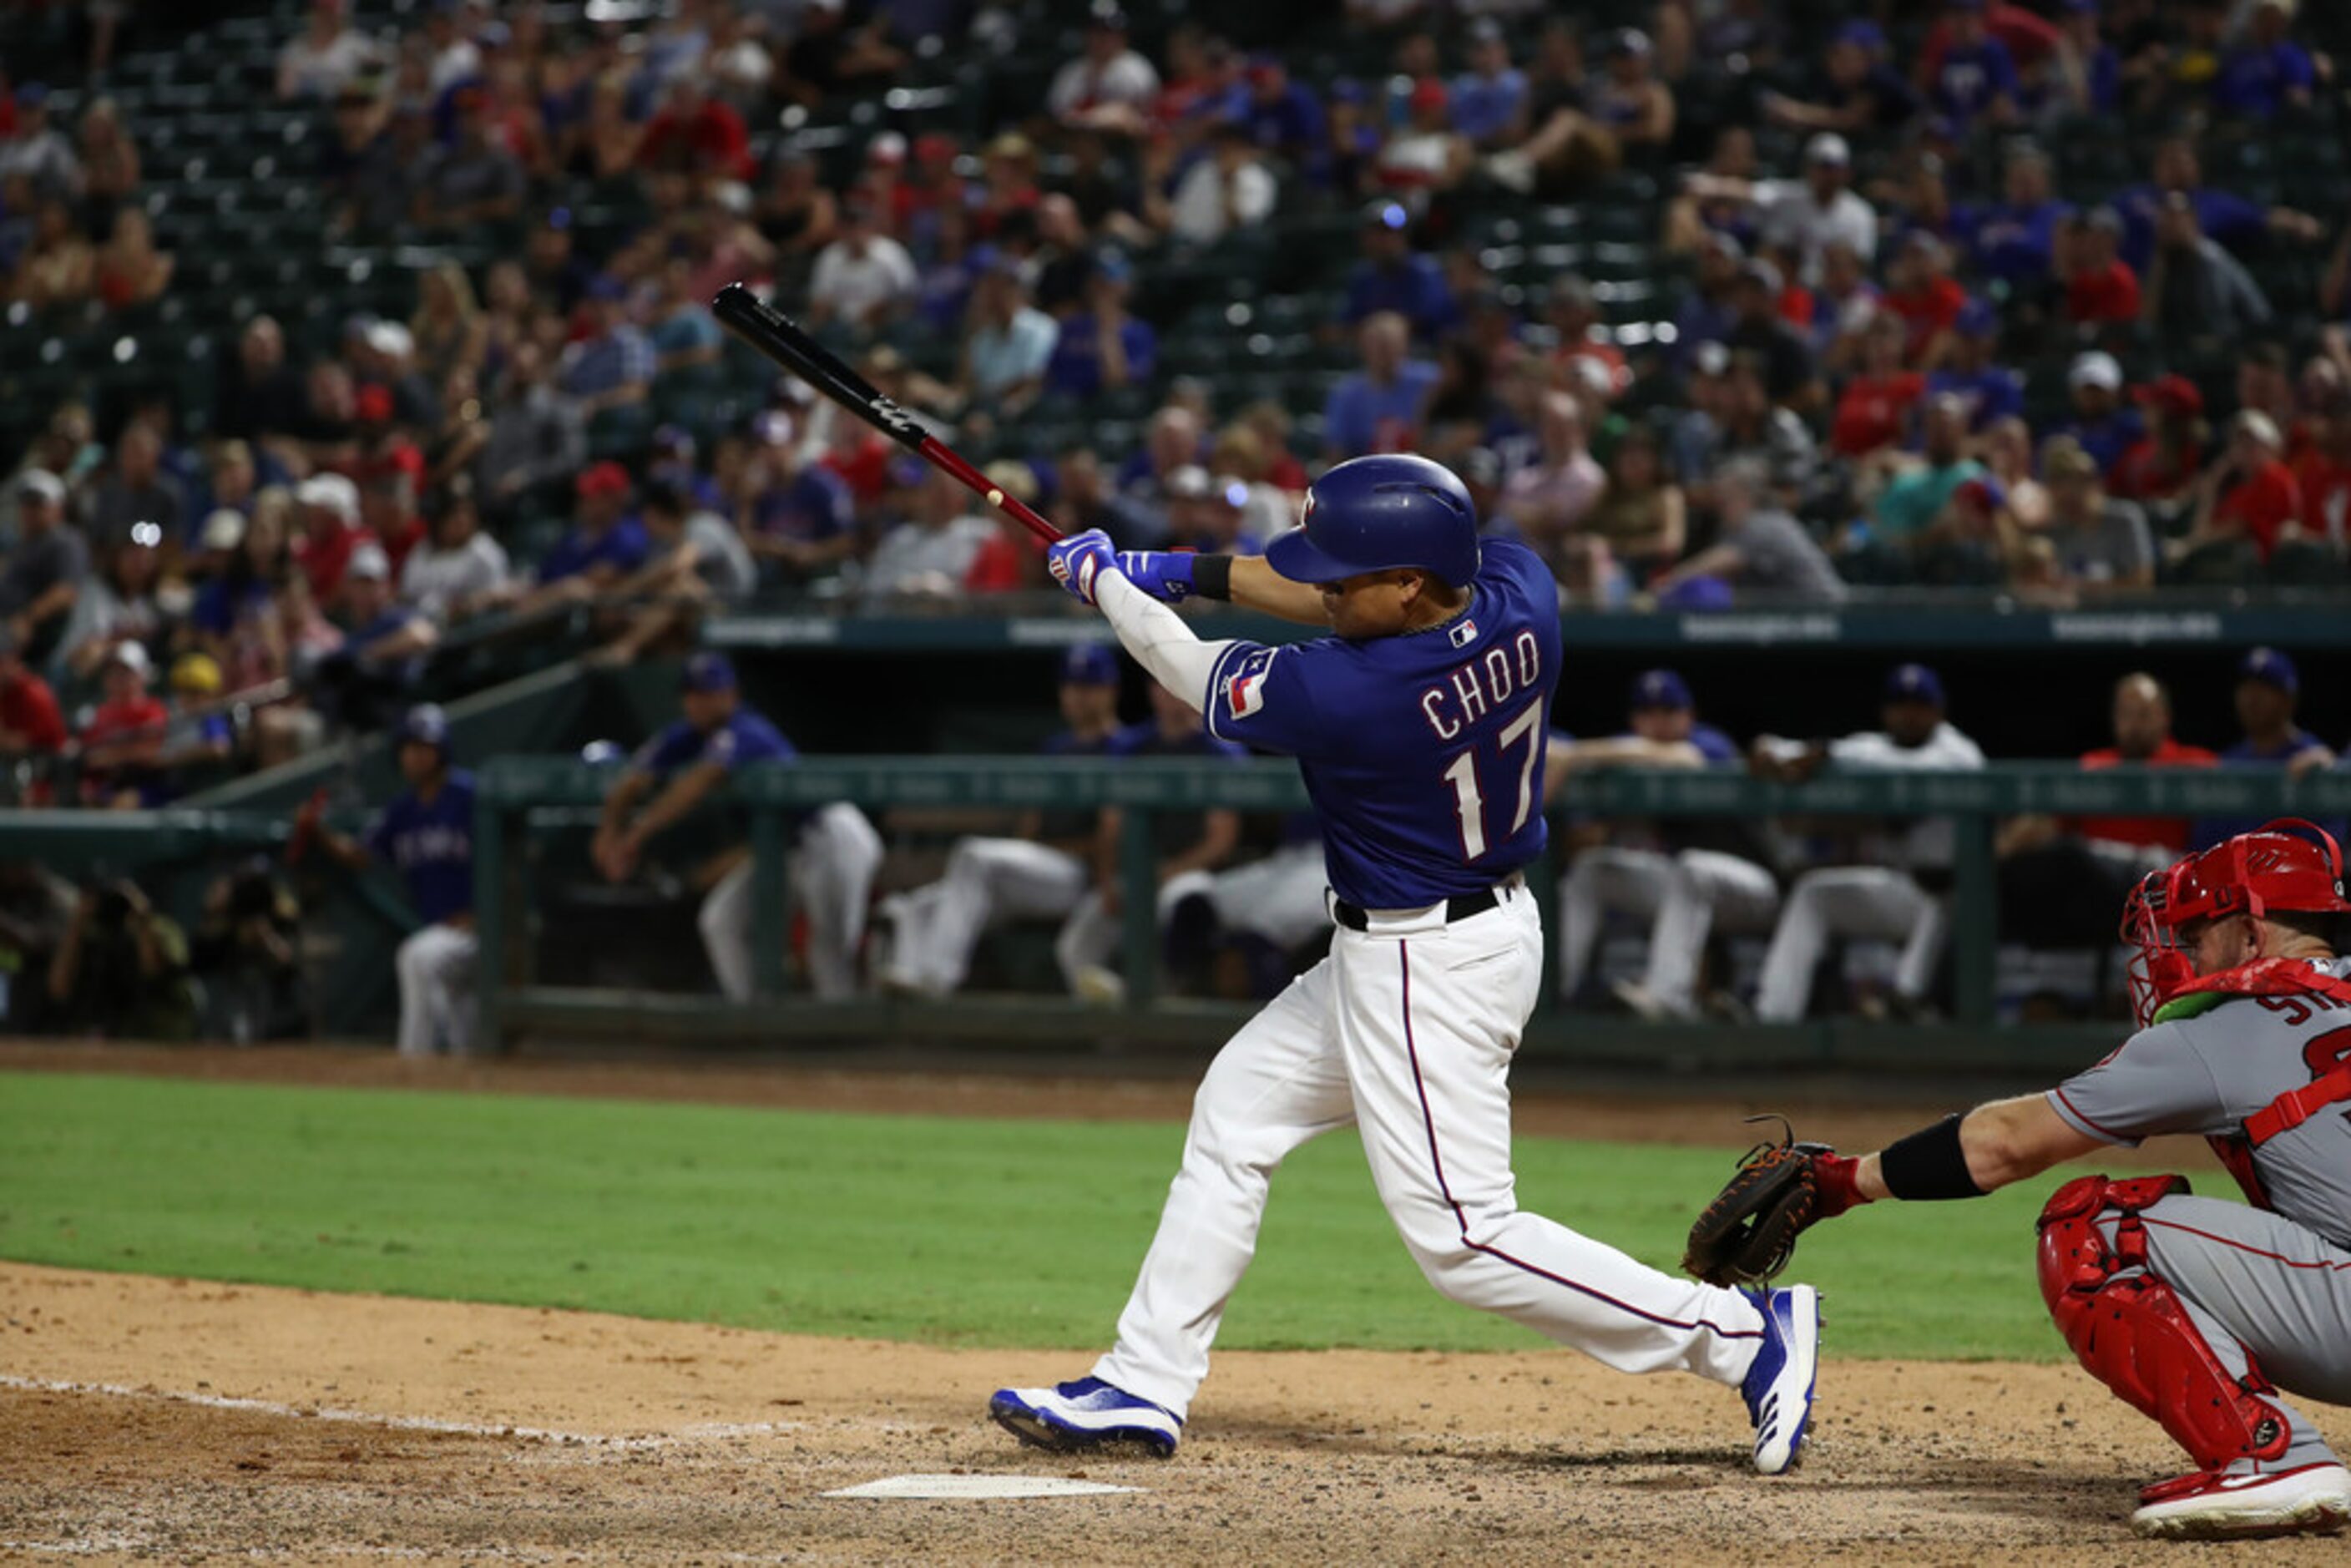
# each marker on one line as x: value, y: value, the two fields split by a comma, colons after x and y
x: 1779, y: 1387
x: 1086, y: 1414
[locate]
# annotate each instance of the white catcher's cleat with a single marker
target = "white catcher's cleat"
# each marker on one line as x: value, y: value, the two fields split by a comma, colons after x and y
x: 2215, y: 1505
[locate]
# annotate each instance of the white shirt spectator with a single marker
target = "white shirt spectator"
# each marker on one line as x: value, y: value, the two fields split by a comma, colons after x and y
x: 1790, y: 215
x: 461, y: 61
x: 720, y: 558
x: 853, y: 286
x: 914, y: 559
x: 307, y: 70
x: 1198, y: 212
x: 438, y: 580
x: 1080, y: 84
x: 1001, y: 361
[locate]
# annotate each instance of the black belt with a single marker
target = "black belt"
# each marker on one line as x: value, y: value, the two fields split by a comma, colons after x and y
x: 1460, y: 906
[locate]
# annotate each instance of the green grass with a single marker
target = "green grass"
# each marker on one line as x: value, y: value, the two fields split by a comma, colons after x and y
x: 942, y: 1231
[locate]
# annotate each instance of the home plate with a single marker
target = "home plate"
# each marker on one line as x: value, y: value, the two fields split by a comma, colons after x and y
x: 979, y: 1485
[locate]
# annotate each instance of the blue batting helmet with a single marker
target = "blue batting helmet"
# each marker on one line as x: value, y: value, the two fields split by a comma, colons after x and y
x: 1372, y: 514
x: 427, y: 724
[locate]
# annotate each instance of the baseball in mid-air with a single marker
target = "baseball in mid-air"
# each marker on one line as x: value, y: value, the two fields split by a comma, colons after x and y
x: 995, y: 498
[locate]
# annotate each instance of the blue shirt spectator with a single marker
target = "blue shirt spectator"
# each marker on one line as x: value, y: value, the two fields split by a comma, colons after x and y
x: 1975, y: 76
x: 2266, y: 72
x: 1367, y: 415
x: 606, y: 539
x: 1075, y: 370
x: 1282, y: 116
x: 1392, y: 275
x: 2221, y: 215
x: 810, y: 505
x: 2267, y: 688
x: 2012, y: 239
x: 1487, y: 97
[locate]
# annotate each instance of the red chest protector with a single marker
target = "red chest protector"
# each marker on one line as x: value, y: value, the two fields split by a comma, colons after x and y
x: 2330, y: 1082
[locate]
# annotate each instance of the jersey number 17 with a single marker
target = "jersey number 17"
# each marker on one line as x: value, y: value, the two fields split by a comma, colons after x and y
x: 1469, y: 800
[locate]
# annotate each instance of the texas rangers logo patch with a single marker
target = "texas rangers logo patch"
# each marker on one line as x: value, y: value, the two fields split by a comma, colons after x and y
x: 1245, y: 691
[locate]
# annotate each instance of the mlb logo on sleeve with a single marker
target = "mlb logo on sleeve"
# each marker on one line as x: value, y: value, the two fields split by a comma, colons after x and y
x: 1245, y: 688
x: 1464, y: 633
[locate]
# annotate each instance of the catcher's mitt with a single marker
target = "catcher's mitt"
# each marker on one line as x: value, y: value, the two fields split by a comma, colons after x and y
x: 1749, y: 1232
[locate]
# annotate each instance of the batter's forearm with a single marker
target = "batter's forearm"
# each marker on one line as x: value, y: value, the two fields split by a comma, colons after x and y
x: 1256, y: 586
x: 1158, y: 639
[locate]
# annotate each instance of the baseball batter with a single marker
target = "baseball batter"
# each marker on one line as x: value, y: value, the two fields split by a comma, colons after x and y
x: 1419, y: 727
x: 832, y: 861
x: 2195, y: 1311
x: 427, y: 833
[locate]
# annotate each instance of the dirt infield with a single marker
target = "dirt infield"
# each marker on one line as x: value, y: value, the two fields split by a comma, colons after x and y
x: 145, y: 1420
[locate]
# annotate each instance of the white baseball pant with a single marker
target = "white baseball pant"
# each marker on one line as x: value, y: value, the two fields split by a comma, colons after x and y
x: 1406, y: 1029
x: 1090, y: 937
x: 830, y: 876
x: 1870, y: 902
x: 986, y: 880
x: 1684, y: 896
x: 436, y: 970
x: 1282, y: 898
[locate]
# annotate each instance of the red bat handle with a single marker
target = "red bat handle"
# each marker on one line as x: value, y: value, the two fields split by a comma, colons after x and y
x: 951, y: 462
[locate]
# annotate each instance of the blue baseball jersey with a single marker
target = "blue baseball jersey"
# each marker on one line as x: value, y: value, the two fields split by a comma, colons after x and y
x: 432, y: 844
x: 745, y: 737
x: 1422, y: 754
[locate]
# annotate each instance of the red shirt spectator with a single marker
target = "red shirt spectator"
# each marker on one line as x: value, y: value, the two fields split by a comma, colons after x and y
x: 1930, y: 311
x: 30, y: 723
x: 696, y: 133
x: 2324, y: 472
x: 2148, y: 832
x: 2264, y: 496
x: 2163, y: 464
x: 331, y: 532
x: 1874, y: 411
x: 2030, y: 38
x: 2108, y: 294
x: 125, y: 735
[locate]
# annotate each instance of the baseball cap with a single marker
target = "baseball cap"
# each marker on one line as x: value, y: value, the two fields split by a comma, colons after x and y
x: 368, y: 564
x: 331, y: 493
x: 1014, y: 477
x: 41, y: 484
x: 1828, y: 147
x: 934, y: 147
x: 425, y: 723
x: 32, y: 95
x: 1485, y: 30
x: 223, y: 529
x: 2096, y: 368
x: 1188, y: 483
x: 674, y: 439
x: 1863, y: 34
x: 2173, y: 393
x: 605, y: 478
x: 1913, y: 683
x: 606, y: 288
x: 1430, y: 93
x: 1625, y: 41
x: 133, y: 656
x: 2269, y: 665
x: 889, y: 147
x: 2253, y: 422
x: 708, y: 671
x: 372, y: 406
x: 1113, y: 266
x: 196, y: 675
x: 1089, y: 665
x: 1984, y: 490
x: 1659, y: 689
x: 1977, y: 319
x: 390, y: 339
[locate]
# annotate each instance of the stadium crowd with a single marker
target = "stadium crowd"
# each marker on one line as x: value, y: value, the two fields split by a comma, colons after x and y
x: 2046, y: 302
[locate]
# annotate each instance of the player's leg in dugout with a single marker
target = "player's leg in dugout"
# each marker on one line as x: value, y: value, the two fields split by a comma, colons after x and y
x: 1429, y: 1016
x: 1871, y: 903
x: 1603, y: 878
x: 1089, y: 939
x: 415, y: 1033
x: 1707, y: 887
x: 2256, y: 1281
x: 445, y: 957
x: 832, y: 869
x: 724, y: 922
x: 985, y: 879
x: 1276, y: 1084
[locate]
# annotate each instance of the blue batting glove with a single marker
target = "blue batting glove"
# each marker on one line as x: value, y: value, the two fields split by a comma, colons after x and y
x: 1165, y: 575
x: 1076, y: 562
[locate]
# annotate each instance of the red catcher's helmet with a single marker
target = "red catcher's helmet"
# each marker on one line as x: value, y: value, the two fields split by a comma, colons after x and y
x: 2288, y: 866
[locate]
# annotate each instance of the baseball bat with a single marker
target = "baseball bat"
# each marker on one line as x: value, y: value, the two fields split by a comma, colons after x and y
x: 779, y: 338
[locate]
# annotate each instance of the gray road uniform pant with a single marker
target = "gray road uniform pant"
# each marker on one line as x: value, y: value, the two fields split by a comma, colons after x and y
x: 2271, y: 1284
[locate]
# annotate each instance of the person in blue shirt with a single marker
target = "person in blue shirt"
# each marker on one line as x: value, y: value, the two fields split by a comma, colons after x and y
x: 1392, y: 275
x: 1490, y: 97
x: 1992, y: 391
x: 2267, y: 71
x: 1683, y: 877
x: 2012, y: 239
x: 801, y: 520
x: 1419, y: 723
x: 1377, y: 409
x: 2099, y: 90
x: 426, y: 834
x: 2269, y: 688
x: 1977, y: 78
x: 1102, y: 348
x: 1285, y: 118
x: 2220, y: 216
x: 835, y: 852
x: 605, y: 543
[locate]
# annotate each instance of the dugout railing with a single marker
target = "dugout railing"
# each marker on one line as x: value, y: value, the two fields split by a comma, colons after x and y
x: 518, y: 792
